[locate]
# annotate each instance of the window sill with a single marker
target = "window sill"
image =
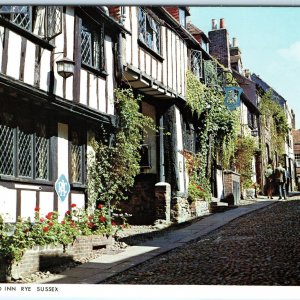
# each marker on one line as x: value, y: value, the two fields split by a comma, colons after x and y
x: 102, y: 73
x: 152, y: 52
x: 26, y: 180
x: 27, y: 34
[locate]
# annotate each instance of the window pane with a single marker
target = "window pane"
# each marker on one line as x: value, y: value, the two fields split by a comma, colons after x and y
x: 86, y: 46
x: 22, y: 18
x: 54, y: 20
x: 6, y: 150
x: 142, y: 25
x: 196, y: 63
x: 24, y: 154
x: 41, y: 153
x: 76, y: 159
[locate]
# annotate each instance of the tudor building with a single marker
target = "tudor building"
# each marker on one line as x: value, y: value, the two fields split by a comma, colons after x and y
x: 58, y: 74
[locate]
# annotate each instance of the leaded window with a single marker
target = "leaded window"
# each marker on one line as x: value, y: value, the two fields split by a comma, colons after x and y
x: 44, y: 21
x: 189, y: 137
x: 196, y: 63
x: 24, y: 149
x: 77, y: 158
x: 210, y: 73
x: 149, y: 31
x: 92, y: 47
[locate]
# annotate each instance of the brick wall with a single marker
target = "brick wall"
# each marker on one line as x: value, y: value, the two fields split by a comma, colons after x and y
x: 219, y: 46
x: 41, y: 258
x: 231, y: 187
x: 141, y: 202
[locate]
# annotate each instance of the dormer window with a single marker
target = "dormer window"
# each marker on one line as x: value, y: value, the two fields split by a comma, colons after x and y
x: 182, y: 17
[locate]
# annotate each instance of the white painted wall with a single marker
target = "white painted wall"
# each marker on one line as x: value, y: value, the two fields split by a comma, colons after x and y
x: 1, y: 41
x: 14, y: 50
x: 29, y: 63
x: 93, y: 92
x: 62, y: 162
x: 83, y: 87
x: 46, y: 203
x: 28, y: 204
x: 110, y: 71
x: 101, y: 95
x: 44, y: 72
x: 180, y: 158
x: 78, y: 199
x: 8, y: 204
x: 220, y: 187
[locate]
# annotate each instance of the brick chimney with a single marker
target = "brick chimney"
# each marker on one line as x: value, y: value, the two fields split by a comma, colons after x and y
x: 219, y: 46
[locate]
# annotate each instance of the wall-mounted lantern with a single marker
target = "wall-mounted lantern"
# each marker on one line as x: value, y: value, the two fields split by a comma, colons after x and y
x: 65, y: 67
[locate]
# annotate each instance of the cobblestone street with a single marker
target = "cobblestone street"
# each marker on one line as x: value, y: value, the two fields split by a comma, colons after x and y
x: 261, y: 248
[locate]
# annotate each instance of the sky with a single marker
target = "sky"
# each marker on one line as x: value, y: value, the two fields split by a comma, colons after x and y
x: 269, y: 39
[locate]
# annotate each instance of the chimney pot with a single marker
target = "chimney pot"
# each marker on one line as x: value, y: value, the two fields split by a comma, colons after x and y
x: 213, y: 24
x: 222, y: 23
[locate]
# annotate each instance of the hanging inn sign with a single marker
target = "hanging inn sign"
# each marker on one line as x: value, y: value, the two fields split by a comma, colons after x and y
x: 232, y: 93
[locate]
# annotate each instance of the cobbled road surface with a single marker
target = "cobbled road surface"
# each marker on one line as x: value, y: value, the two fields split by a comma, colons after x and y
x: 261, y: 248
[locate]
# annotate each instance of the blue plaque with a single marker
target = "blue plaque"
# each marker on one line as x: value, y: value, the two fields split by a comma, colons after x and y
x: 232, y: 97
x: 62, y: 187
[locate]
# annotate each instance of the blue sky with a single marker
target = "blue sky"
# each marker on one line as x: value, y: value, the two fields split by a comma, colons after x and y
x: 269, y: 39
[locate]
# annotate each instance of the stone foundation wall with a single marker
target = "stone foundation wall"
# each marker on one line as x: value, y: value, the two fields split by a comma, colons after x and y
x: 182, y: 210
x: 40, y: 258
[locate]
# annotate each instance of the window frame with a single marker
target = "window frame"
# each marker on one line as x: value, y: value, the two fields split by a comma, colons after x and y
x: 83, y: 159
x: 31, y: 131
x: 45, y: 24
x: 97, y: 32
x: 142, y: 36
x: 196, y: 54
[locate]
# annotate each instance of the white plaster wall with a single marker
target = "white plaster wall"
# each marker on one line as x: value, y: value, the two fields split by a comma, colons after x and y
x: 127, y: 41
x: 83, y: 87
x: 8, y: 204
x: 46, y: 203
x: 62, y: 162
x: 110, y: 71
x: 14, y: 55
x: 44, y: 72
x: 174, y: 62
x: 148, y: 64
x: 159, y: 75
x: 169, y: 59
x: 93, y: 92
x: 150, y: 139
x: 134, y: 34
x: 164, y: 54
x: 78, y: 199
x: 1, y: 41
x: 29, y: 63
x: 220, y: 187
x: 101, y: 94
x: 142, y: 60
x: 28, y: 204
x: 70, y: 48
x: 180, y: 158
x: 154, y: 68
x: 59, y: 43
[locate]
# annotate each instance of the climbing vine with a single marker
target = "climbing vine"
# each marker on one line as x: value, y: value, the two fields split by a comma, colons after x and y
x: 112, y: 168
x: 217, y: 130
x: 275, y: 120
x: 244, y: 152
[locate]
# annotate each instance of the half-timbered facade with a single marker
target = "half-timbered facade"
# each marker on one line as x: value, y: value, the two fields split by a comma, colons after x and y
x: 46, y: 119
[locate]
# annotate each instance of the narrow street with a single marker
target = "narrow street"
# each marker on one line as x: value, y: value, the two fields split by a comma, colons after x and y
x: 260, y: 248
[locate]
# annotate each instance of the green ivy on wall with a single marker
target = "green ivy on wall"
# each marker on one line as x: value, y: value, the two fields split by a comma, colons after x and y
x: 274, y: 118
x: 112, y: 169
x: 217, y: 126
